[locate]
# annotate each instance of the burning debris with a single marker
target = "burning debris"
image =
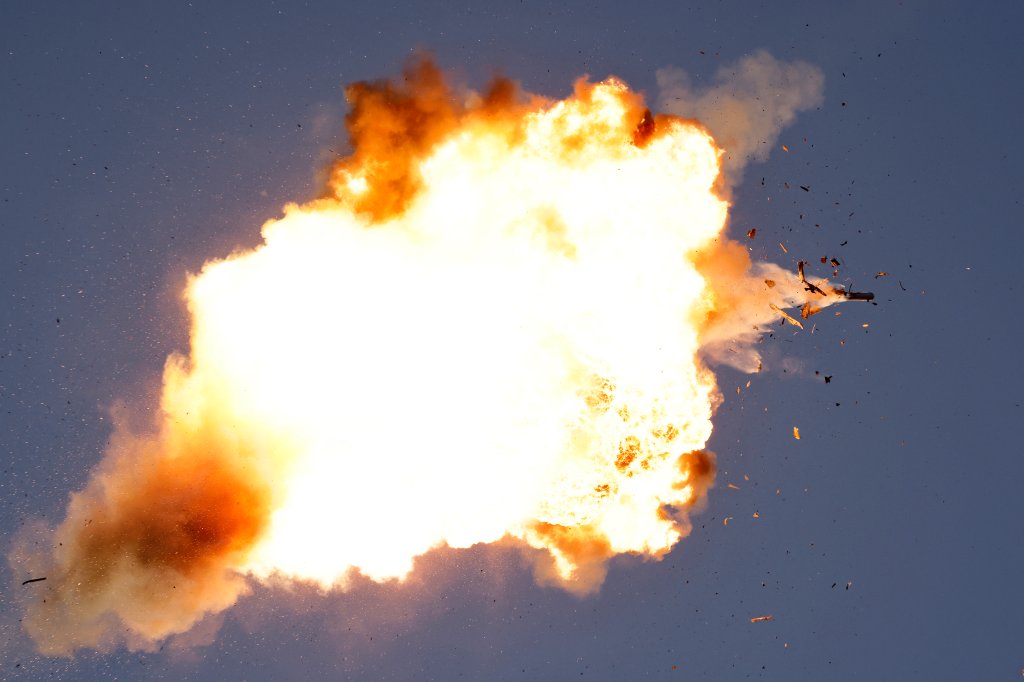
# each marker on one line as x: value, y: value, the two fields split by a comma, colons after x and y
x: 807, y: 310
x: 524, y: 296
x: 786, y: 316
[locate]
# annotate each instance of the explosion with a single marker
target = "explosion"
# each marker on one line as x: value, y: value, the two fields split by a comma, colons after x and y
x: 493, y: 326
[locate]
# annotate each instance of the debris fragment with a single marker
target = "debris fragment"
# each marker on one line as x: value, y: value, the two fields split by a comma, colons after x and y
x: 881, y: 273
x: 760, y: 619
x: 726, y: 520
x: 785, y: 149
x: 783, y: 247
x: 796, y: 432
x: 770, y: 283
x: 805, y: 188
x: 807, y: 310
x: 644, y: 129
x: 834, y: 262
x: 828, y: 378
x: 752, y: 232
x: 786, y: 316
x: 814, y: 289
x: 854, y: 295
x: 33, y: 580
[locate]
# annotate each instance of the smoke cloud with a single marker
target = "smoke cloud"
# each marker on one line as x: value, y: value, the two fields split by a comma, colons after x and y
x: 746, y: 107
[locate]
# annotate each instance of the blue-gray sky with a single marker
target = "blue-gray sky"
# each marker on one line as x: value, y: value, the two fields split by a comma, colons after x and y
x: 140, y: 140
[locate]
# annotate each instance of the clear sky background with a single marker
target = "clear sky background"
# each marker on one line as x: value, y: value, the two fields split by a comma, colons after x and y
x: 140, y: 139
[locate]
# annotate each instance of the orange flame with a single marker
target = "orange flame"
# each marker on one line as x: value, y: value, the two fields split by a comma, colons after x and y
x: 489, y: 328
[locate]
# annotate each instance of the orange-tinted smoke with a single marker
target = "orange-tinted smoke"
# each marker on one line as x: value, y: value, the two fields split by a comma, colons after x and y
x: 394, y: 125
x: 153, y: 539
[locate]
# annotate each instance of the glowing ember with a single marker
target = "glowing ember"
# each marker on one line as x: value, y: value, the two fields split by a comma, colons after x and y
x: 490, y: 328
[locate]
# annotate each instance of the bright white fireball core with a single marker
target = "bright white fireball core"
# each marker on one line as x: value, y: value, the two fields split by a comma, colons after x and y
x: 435, y: 374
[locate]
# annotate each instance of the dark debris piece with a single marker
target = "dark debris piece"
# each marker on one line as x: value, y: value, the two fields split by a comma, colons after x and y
x: 807, y: 285
x: 644, y: 129
x: 33, y: 580
x: 856, y: 295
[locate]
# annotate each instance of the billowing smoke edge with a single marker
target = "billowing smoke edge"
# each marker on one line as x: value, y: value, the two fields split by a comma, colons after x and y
x: 747, y: 105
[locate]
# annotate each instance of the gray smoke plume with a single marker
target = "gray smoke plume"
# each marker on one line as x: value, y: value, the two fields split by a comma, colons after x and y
x: 746, y: 107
